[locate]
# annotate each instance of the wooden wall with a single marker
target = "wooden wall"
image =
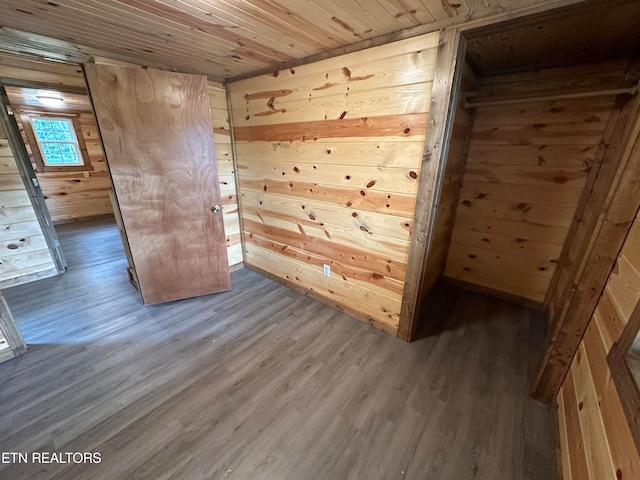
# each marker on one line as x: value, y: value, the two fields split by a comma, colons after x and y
x: 451, y: 185
x: 595, y: 439
x: 328, y: 158
x: 23, y: 248
x: 226, y: 171
x: 72, y: 195
x: 527, y: 165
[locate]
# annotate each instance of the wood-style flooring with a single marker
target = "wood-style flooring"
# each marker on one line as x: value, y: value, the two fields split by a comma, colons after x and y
x: 260, y: 383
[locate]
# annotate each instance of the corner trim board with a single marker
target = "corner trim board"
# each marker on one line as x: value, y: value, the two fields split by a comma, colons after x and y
x: 447, y: 76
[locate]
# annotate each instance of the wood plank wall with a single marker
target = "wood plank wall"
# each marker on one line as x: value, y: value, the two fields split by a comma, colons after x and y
x: 527, y: 166
x: 451, y: 185
x: 328, y: 157
x: 595, y: 439
x: 23, y: 248
x: 226, y: 171
x: 72, y: 195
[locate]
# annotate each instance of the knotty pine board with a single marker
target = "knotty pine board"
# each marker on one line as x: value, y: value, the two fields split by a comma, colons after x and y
x: 526, y: 168
x: 276, y: 109
x: 328, y: 158
x: 401, y: 205
x: 365, y: 222
x: 393, y: 128
x: 365, y: 153
x: 387, y: 180
x: 407, y: 62
x: 379, y: 245
x: 531, y: 155
x: 593, y: 417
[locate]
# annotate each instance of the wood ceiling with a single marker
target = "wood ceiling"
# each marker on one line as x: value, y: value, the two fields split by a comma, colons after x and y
x: 223, y: 38
x: 600, y: 31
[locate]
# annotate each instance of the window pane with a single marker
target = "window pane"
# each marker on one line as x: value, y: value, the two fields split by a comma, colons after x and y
x: 58, y: 154
x: 53, y: 130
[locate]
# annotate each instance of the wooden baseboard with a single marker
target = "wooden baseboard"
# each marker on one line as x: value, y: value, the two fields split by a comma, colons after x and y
x: 342, y: 308
x: 31, y: 277
x: 237, y: 266
x: 6, y: 354
x: 83, y: 219
x: 507, y: 297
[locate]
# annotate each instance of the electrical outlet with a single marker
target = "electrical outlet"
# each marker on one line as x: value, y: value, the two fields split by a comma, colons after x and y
x: 327, y: 271
x: 86, y: 174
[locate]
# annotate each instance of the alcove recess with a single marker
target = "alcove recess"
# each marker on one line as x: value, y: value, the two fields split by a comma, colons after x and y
x: 541, y: 109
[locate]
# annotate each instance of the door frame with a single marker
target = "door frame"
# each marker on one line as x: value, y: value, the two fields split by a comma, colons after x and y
x: 32, y: 186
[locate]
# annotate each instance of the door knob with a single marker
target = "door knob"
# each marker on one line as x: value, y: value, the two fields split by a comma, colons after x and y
x: 215, y: 208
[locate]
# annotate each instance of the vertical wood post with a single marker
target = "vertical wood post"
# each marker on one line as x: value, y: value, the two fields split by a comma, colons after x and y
x: 449, y: 62
x: 8, y: 327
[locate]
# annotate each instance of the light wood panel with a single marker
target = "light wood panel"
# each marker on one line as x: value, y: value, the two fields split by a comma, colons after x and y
x: 329, y: 174
x: 593, y: 417
x: 157, y: 134
x: 526, y: 169
x: 24, y: 248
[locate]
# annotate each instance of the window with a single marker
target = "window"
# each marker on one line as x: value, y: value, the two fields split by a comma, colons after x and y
x: 56, y: 142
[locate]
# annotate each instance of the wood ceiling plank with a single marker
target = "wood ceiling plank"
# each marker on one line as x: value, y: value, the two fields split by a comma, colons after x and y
x: 602, y: 30
x: 277, y: 17
x: 355, y: 21
x: 287, y: 35
x: 312, y: 12
x: 408, y: 12
x: 377, y: 10
x: 441, y: 9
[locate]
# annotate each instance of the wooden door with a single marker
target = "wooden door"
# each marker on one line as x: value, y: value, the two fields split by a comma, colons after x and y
x: 158, y: 140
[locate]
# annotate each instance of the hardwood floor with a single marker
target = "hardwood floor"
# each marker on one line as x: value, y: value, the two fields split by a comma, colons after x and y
x: 260, y: 383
